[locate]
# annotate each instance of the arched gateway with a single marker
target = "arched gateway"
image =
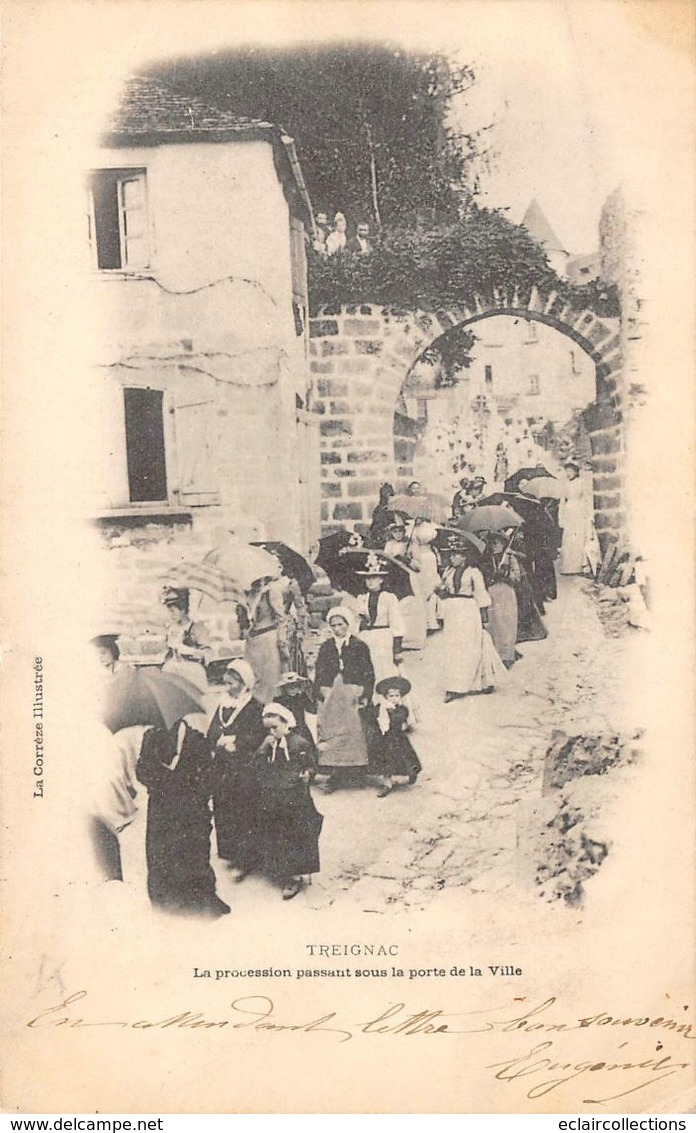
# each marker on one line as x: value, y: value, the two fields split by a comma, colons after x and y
x: 361, y: 355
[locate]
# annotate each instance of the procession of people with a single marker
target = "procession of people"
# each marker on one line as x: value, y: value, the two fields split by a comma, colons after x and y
x: 480, y: 570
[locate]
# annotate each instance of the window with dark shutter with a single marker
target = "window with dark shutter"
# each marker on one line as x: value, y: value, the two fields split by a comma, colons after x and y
x: 147, y: 467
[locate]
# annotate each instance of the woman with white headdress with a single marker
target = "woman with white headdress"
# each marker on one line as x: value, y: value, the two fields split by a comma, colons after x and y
x: 344, y: 682
x: 287, y: 822
x: 235, y: 733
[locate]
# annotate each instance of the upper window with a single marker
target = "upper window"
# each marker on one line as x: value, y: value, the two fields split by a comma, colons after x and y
x: 118, y: 226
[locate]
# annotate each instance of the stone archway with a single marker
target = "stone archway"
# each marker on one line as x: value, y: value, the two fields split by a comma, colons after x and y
x: 361, y: 355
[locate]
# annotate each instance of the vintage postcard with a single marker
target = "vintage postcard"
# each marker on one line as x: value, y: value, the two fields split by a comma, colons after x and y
x: 347, y: 557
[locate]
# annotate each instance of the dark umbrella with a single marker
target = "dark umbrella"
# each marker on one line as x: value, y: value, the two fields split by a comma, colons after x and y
x: 331, y: 545
x: 449, y: 537
x: 513, y: 482
x: 343, y: 572
x: 525, y: 506
x: 135, y: 696
x: 293, y: 563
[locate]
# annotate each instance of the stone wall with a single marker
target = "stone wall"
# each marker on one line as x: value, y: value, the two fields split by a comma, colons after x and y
x: 139, y: 554
x: 360, y: 356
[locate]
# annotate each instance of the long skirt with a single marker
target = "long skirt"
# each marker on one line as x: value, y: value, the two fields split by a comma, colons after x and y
x: 177, y: 848
x: 340, y: 733
x: 502, y: 619
x: 394, y: 754
x: 235, y: 805
x: 543, y: 579
x: 471, y: 662
x: 530, y: 626
x: 287, y: 837
x: 414, y: 612
x: 381, y: 645
x: 263, y: 655
x: 434, y: 612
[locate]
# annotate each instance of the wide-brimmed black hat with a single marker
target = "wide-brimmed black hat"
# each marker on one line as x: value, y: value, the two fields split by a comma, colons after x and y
x: 374, y: 567
x: 401, y: 685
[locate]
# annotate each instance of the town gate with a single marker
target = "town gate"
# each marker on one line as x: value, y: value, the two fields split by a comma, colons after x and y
x: 361, y: 355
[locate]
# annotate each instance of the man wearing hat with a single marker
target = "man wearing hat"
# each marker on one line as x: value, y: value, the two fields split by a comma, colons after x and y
x: 381, y: 624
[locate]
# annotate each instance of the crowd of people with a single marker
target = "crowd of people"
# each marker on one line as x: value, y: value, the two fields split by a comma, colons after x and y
x: 275, y: 734
x: 486, y: 587
x: 334, y: 240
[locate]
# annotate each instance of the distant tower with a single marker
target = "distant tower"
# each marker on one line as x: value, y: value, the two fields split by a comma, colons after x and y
x: 539, y: 229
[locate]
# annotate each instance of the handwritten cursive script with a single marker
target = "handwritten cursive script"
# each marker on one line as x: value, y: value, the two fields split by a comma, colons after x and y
x: 541, y: 1068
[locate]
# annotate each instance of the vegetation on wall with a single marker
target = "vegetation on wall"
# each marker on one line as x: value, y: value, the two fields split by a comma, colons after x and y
x: 434, y: 266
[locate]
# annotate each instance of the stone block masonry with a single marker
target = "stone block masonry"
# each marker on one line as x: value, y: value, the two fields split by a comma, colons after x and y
x: 358, y: 386
x: 360, y: 356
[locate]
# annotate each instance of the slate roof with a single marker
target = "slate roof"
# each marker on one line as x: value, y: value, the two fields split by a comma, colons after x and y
x: 538, y: 227
x: 148, y: 107
x: 151, y: 112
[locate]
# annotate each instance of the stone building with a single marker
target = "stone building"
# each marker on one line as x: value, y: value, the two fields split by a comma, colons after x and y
x: 198, y: 301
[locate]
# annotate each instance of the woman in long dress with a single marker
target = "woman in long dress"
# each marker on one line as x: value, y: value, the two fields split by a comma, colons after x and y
x: 414, y: 613
x: 530, y: 624
x: 288, y: 823
x: 262, y: 648
x: 382, y: 516
x: 188, y: 647
x: 344, y: 682
x: 427, y: 580
x: 471, y: 664
x: 381, y: 624
x: 503, y: 573
x: 575, y: 517
x: 235, y: 733
x: 176, y: 766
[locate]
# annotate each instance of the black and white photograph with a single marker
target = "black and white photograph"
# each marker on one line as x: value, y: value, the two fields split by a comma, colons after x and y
x: 349, y: 523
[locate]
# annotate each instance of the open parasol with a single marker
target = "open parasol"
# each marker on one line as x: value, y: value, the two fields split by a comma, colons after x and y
x: 489, y: 517
x: 543, y: 488
x: 343, y: 572
x: 429, y: 505
x: 207, y: 578
x: 243, y: 563
x: 294, y: 564
x: 137, y: 696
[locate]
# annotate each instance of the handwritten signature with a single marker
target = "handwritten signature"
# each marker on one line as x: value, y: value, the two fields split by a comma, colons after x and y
x: 540, y: 1066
